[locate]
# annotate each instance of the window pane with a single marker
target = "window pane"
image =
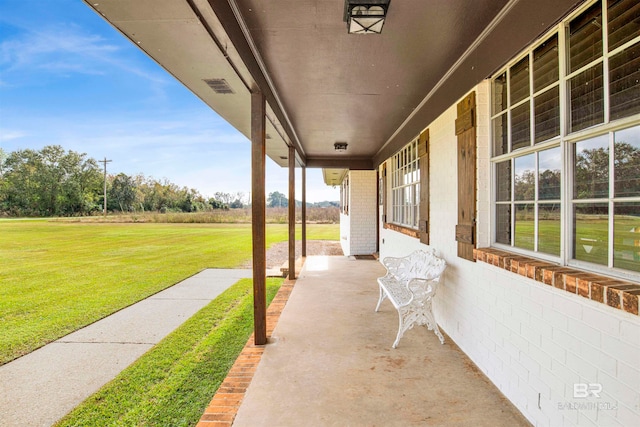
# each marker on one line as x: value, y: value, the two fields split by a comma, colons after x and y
x: 624, y: 21
x: 525, y: 178
x: 585, y: 38
x: 519, y: 84
x: 626, y: 243
x: 500, y: 93
x: 520, y: 127
x: 587, y: 99
x: 503, y: 224
x: 547, y: 114
x: 503, y: 181
x: 624, y: 76
x: 591, y: 238
x: 545, y: 64
x: 627, y: 162
x: 524, y: 227
x: 591, y: 162
x: 549, y: 165
x: 549, y: 228
x: 500, y: 135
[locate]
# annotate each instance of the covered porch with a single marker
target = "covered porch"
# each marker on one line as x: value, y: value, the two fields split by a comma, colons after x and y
x: 329, y: 362
x: 431, y: 128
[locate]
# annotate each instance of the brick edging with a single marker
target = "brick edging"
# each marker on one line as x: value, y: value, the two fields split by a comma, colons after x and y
x: 225, y: 403
x: 616, y: 293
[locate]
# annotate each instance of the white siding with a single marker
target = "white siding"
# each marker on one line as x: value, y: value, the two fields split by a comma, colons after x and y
x: 358, y: 229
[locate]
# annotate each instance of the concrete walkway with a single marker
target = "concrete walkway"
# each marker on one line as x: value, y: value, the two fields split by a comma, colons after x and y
x: 329, y: 362
x: 43, y: 386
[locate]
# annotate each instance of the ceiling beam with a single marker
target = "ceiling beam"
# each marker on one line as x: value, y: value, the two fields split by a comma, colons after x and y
x: 231, y: 20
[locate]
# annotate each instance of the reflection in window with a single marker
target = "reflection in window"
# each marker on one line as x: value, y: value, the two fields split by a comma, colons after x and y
x: 591, y: 237
x: 573, y: 123
x: 525, y: 226
x: 626, y: 251
x: 591, y: 179
x: 549, y: 228
x: 549, y: 164
x: 627, y: 163
x: 525, y: 178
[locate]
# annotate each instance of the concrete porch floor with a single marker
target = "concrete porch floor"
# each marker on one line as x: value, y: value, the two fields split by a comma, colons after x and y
x: 330, y: 363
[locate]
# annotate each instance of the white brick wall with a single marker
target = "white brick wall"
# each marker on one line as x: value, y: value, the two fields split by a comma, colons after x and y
x: 358, y: 229
x: 533, y: 341
x: 345, y: 233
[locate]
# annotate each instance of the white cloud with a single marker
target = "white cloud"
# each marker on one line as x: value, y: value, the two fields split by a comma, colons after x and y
x: 7, y: 135
x: 66, y: 50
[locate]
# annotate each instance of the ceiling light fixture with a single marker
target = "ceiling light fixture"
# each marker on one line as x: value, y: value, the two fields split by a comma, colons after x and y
x: 365, y: 16
x: 340, y: 146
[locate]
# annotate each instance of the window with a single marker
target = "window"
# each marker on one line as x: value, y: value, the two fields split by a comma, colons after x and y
x: 566, y: 119
x: 405, y: 186
x: 344, y: 196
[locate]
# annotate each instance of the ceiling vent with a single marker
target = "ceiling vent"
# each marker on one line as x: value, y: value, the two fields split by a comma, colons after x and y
x: 219, y: 86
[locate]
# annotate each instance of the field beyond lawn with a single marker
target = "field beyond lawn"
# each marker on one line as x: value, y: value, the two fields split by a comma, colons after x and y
x: 56, y: 277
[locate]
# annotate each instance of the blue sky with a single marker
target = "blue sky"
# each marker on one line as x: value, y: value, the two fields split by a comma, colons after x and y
x: 68, y: 78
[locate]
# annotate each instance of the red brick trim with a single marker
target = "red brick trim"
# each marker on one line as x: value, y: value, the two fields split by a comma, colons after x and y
x: 404, y: 230
x: 225, y: 403
x: 620, y: 294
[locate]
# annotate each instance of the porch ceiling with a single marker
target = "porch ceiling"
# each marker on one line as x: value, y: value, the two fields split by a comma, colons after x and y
x: 374, y: 92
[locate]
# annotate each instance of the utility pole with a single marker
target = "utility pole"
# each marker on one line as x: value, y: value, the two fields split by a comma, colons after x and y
x: 104, y: 162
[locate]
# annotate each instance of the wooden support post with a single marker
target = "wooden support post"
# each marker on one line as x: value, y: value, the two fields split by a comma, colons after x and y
x: 258, y: 212
x: 304, y: 211
x: 292, y: 212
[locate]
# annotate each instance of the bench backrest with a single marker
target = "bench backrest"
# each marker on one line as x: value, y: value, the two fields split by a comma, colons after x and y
x: 421, y: 264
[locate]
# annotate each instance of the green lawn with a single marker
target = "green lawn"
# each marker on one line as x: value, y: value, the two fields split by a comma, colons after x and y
x: 172, y: 384
x: 592, y: 239
x: 59, y: 276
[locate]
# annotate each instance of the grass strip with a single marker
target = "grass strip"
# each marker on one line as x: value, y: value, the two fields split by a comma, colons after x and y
x: 172, y: 384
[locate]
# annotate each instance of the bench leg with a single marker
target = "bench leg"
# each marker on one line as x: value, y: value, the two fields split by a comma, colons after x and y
x: 408, y: 317
x: 431, y: 324
x: 383, y: 295
x: 400, y: 330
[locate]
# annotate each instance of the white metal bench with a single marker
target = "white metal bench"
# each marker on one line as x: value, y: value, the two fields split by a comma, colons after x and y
x: 410, y: 284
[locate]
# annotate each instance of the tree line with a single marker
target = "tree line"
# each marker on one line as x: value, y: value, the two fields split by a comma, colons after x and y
x: 55, y: 182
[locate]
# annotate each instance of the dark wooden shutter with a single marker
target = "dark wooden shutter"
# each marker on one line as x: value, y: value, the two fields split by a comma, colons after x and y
x: 466, y: 132
x: 423, y: 155
x: 383, y: 192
